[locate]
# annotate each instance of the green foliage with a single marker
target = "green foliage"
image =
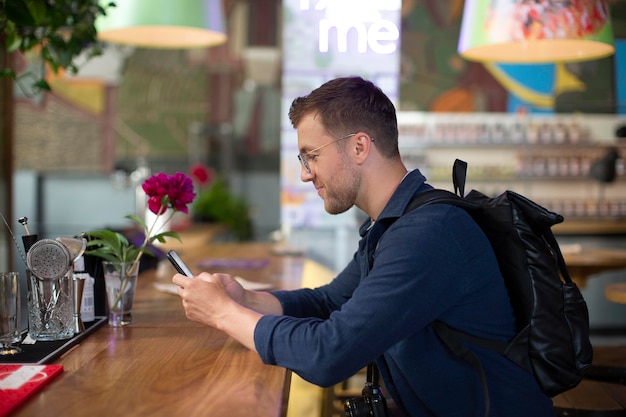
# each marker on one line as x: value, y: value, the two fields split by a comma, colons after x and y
x: 110, y: 246
x: 217, y: 204
x: 115, y: 247
x: 60, y: 29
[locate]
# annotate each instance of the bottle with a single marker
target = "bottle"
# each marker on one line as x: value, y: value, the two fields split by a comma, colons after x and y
x: 87, y: 311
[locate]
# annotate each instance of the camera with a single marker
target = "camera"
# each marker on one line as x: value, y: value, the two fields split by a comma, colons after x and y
x: 372, y: 403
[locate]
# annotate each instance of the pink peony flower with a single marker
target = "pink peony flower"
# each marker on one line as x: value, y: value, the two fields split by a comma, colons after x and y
x: 169, y: 191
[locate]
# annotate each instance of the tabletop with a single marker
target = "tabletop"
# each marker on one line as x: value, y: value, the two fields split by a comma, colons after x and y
x: 616, y: 292
x: 165, y: 365
x: 584, y: 262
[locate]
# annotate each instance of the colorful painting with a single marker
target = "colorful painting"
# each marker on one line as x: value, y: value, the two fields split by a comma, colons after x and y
x: 436, y: 78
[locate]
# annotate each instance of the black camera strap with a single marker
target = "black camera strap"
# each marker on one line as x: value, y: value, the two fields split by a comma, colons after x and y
x: 372, y: 374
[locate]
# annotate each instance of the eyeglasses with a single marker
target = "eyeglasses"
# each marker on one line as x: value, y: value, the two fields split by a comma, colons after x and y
x: 304, y: 158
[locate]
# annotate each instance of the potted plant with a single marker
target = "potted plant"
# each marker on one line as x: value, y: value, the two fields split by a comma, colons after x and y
x: 215, y: 203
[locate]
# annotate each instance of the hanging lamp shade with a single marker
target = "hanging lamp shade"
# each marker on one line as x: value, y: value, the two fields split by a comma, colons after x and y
x: 521, y: 31
x: 163, y: 24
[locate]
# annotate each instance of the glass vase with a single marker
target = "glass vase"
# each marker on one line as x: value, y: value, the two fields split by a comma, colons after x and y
x: 120, y: 280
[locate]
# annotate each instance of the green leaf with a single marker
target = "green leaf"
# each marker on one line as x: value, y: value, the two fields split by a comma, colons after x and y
x: 7, y: 72
x: 161, y: 236
x: 37, y: 9
x: 42, y: 85
x: 137, y: 220
x: 12, y: 41
x: 18, y: 13
x: 111, y: 246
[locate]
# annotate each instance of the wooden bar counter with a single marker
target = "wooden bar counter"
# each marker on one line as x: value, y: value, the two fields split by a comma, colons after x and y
x: 165, y: 365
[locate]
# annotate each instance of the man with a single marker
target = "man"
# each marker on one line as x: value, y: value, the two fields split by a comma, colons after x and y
x: 433, y: 263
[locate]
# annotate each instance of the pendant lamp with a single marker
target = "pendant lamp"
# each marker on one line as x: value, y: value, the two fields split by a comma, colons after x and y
x: 163, y: 24
x: 535, y: 31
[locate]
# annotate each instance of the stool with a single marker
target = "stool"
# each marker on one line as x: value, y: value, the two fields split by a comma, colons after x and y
x: 592, y: 399
x: 609, y: 364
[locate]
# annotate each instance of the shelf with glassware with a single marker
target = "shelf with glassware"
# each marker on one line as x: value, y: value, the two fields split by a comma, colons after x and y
x: 560, y: 162
x: 517, y: 163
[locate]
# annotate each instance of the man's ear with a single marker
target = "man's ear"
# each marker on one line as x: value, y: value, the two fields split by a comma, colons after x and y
x: 362, y: 146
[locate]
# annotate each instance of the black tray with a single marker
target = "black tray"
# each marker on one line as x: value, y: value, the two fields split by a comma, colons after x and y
x: 45, y: 352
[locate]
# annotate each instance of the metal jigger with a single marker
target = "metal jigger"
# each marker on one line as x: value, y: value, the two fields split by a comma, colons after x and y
x: 79, y: 285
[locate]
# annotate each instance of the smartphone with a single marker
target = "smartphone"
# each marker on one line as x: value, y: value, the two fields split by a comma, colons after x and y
x: 179, y: 264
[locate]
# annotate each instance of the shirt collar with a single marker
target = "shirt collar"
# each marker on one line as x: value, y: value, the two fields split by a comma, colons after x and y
x: 413, y: 182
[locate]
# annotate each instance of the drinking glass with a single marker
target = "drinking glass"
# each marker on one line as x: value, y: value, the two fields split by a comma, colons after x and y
x: 9, y: 312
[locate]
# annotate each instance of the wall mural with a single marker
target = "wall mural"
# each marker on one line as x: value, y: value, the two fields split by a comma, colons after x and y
x: 436, y: 78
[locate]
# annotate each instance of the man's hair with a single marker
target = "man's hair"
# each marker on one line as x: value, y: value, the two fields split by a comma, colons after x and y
x: 348, y: 105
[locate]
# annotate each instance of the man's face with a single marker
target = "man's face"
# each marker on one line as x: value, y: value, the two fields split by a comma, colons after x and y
x: 332, y: 171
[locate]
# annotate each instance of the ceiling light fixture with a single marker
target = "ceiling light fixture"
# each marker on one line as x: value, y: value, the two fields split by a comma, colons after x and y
x: 537, y: 31
x: 163, y: 24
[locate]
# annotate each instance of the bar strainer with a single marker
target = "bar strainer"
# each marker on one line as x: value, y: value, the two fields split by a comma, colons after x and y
x: 49, y: 259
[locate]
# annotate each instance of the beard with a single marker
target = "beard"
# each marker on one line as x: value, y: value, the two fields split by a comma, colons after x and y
x: 342, y: 191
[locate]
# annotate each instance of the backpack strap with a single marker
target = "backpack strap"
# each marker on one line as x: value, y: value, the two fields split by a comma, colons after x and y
x: 439, y: 196
x: 450, y: 339
x: 449, y: 336
x: 459, y: 174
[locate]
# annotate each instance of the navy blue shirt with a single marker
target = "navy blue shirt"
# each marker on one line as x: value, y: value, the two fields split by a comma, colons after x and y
x: 432, y: 263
